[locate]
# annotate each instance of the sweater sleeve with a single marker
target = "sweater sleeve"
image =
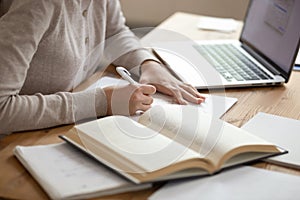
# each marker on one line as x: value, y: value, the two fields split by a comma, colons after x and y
x: 21, y: 30
x: 121, y: 43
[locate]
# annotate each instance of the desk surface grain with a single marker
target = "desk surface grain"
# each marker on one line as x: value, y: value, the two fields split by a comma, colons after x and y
x: 16, y: 182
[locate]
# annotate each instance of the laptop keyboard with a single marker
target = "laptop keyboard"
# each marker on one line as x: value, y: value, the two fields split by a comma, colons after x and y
x: 231, y: 63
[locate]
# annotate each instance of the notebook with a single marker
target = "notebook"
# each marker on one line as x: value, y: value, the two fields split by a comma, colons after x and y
x: 281, y: 131
x: 245, y: 183
x: 264, y: 55
x: 66, y: 173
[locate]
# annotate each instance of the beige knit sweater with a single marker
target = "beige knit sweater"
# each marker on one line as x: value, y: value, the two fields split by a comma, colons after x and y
x: 48, y: 47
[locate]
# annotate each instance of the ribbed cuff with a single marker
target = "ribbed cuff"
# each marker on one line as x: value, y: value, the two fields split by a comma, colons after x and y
x: 89, y: 104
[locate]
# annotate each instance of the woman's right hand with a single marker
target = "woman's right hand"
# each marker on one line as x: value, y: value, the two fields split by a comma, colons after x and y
x: 126, y: 100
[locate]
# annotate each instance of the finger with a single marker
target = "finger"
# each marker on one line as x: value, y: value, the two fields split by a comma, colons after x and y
x: 148, y: 89
x: 191, y: 98
x: 144, y: 107
x: 193, y: 91
x: 147, y: 100
x: 139, y: 108
x: 176, y: 93
x: 172, y: 91
x: 138, y: 99
x: 164, y: 89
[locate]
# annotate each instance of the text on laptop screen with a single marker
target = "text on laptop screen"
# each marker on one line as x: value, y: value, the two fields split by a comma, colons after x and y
x: 272, y: 27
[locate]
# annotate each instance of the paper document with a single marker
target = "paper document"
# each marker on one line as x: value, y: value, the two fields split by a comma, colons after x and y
x: 217, y: 24
x: 281, y: 131
x: 245, y: 183
x: 215, y: 105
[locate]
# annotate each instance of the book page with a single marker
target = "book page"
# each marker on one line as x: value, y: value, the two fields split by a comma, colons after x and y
x: 137, y: 148
x: 187, y: 125
x: 210, y: 137
x: 65, y: 172
x: 234, y: 141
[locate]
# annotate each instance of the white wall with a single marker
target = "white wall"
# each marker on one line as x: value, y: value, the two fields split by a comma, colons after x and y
x: 141, y: 13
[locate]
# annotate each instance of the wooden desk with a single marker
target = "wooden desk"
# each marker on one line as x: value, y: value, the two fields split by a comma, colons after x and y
x: 16, y: 182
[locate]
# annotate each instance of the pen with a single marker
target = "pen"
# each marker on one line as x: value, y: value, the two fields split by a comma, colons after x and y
x: 125, y: 74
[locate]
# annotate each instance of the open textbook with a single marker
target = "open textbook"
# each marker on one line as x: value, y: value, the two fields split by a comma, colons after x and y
x: 66, y: 173
x: 168, y: 142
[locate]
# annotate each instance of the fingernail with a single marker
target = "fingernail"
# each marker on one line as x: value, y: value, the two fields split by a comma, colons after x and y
x: 200, y: 101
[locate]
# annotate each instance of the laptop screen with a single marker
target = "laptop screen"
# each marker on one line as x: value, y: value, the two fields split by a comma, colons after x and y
x: 272, y: 29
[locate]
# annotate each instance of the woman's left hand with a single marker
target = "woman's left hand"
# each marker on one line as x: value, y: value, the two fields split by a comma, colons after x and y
x: 157, y: 75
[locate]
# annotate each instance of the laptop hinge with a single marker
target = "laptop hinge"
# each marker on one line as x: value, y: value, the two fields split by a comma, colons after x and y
x: 263, y: 61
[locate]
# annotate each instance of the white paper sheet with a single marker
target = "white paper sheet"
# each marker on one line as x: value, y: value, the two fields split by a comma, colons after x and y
x: 215, y: 105
x: 281, y: 131
x: 217, y: 24
x: 245, y: 183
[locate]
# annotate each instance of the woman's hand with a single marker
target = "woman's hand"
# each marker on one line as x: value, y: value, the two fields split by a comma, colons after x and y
x: 126, y: 100
x: 157, y: 75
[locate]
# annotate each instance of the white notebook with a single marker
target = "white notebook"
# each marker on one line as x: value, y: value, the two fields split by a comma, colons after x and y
x: 283, y: 132
x: 247, y: 183
x: 65, y: 173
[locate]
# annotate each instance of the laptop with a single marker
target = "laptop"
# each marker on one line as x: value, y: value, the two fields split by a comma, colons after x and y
x: 264, y: 55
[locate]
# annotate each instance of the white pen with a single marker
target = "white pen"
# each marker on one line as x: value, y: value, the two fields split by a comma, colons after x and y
x: 125, y: 74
